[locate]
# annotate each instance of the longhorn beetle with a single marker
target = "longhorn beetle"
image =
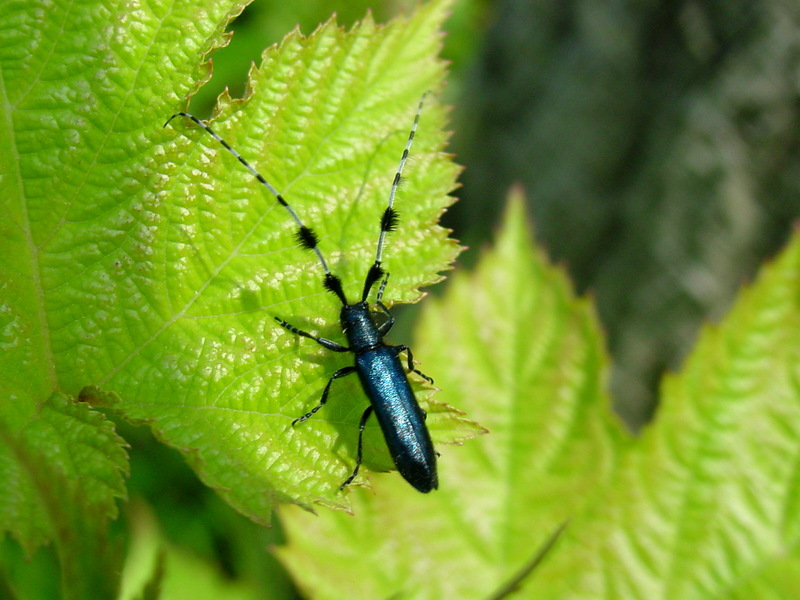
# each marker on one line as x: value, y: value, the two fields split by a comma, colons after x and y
x: 377, y: 364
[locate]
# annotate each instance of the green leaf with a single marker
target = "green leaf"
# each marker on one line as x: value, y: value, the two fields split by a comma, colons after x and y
x: 326, y: 123
x: 703, y: 505
x: 706, y: 505
x: 61, y: 470
x: 511, y: 346
x: 146, y: 265
x: 77, y: 83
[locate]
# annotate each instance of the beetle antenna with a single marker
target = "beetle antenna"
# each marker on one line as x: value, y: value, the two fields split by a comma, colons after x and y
x: 305, y: 236
x: 390, y: 218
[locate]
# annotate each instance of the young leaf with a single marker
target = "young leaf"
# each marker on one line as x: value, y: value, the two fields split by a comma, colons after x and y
x: 512, y: 347
x: 705, y: 506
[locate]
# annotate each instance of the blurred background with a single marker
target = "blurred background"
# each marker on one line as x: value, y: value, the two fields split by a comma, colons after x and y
x: 656, y: 142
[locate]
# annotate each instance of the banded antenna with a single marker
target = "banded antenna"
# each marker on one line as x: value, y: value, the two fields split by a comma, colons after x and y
x: 307, y: 237
x: 390, y: 217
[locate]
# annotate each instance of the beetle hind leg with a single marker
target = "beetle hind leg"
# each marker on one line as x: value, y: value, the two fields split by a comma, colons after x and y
x: 361, y: 426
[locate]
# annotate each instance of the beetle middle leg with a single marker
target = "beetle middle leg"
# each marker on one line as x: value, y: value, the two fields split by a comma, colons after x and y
x: 337, y: 375
x: 403, y: 348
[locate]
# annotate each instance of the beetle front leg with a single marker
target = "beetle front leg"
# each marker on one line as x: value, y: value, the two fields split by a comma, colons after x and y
x: 324, y: 342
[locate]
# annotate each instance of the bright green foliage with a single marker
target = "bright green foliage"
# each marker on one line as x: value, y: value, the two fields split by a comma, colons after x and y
x: 326, y: 125
x: 266, y: 22
x: 702, y: 506
x: 142, y: 266
x: 61, y: 468
x: 76, y: 136
x: 519, y: 354
x: 706, y: 504
x: 141, y: 270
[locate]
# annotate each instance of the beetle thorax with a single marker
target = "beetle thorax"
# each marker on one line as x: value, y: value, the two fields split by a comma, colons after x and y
x: 359, y: 326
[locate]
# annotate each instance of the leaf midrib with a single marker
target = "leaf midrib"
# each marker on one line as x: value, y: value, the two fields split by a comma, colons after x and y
x: 45, y: 349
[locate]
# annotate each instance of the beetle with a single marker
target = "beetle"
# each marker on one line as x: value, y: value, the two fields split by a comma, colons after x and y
x: 377, y: 364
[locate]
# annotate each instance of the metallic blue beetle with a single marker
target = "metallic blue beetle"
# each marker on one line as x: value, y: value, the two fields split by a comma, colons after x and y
x: 378, y: 365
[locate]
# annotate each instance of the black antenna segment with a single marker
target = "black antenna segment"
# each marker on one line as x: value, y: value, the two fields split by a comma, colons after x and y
x: 390, y: 217
x: 305, y: 236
